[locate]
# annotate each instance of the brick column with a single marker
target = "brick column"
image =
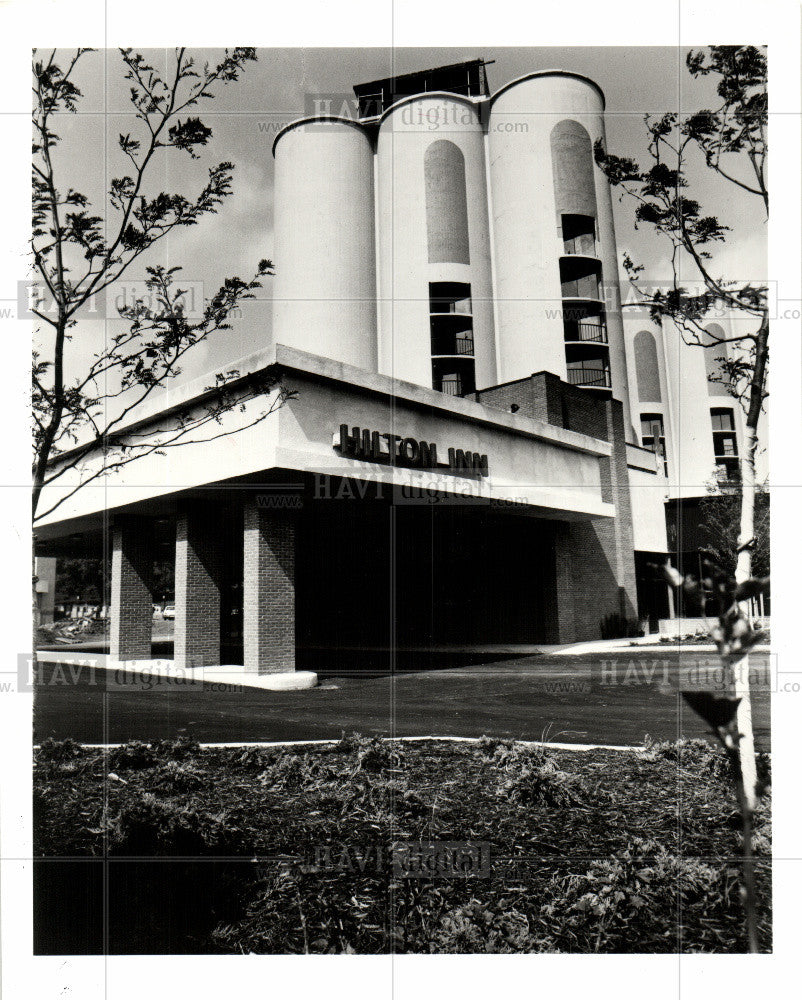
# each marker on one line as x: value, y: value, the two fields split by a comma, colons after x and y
x: 268, y: 590
x: 565, y: 623
x: 198, y: 562
x: 546, y: 395
x: 131, y: 598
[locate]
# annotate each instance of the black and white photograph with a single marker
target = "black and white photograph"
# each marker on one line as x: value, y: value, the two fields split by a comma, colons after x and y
x: 407, y: 468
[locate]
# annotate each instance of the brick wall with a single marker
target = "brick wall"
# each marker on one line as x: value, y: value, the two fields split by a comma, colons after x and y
x: 198, y: 569
x: 594, y: 562
x: 268, y: 589
x: 538, y: 396
x: 131, y: 600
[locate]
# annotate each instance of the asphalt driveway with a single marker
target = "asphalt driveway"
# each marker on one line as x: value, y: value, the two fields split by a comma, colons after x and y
x: 611, y: 699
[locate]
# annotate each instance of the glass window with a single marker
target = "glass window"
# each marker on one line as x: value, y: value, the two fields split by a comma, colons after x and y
x: 725, y: 443
x: 723, y: 420
x: 653, y: 435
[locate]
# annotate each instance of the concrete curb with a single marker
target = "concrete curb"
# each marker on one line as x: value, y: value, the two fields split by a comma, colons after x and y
x: 580, y: 747
x: 232, y: 676
x: 625, y: 645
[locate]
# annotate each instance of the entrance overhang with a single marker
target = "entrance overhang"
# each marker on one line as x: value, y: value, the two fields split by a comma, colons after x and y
x: 519, y: 463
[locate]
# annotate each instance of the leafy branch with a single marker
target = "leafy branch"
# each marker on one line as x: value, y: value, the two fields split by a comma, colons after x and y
x: 78, y: 254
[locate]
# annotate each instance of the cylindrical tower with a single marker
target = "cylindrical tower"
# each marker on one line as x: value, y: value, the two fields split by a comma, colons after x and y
x: 434, y: 277
x: 556, y: 266
x: 325, y: 285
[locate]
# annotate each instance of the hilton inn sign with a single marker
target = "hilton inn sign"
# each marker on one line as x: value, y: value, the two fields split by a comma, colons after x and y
x: 428, y: 482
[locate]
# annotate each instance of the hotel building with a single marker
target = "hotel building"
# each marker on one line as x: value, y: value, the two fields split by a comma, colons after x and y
x: 478, y: 445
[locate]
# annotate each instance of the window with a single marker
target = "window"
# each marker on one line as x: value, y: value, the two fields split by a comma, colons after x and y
x: 653, y: 435
x: 725, y: 442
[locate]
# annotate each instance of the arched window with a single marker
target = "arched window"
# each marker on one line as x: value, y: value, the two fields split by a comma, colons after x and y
x: 572, y: 165
x: 646, y: 367
x: 446, y: 204
x: 713, y: 354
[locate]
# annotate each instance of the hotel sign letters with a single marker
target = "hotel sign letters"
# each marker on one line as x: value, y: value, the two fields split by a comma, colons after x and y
x: 393, y: 449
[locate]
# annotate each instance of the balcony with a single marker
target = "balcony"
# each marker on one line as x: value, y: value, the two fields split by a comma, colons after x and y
x: 586, y: 287
x: 457, y: 346
x: 450, y: 298
x: 451, y: 334
x: 585, y: 331
x: 588, y: 377
x: 580, y: 280
x: 454, y: 376
x: 584, y: 246
x: 579, y: 235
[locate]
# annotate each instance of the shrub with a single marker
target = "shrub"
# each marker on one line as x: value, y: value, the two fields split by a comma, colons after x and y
x: 146, y: 826
x: 297, y: 913
x: 544, y: 784
x: 58, y: 751
x: 616, y: 626
x: 479, y: 928
x: 132, y: 756
x: 372, y: 753
x: 175, y: 778
x: 633, y: 902
x: 180, y: 748
x: 290, y: 772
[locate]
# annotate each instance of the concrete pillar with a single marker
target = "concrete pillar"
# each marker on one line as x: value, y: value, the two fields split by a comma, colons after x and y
x: 617, y: 416
x: 198, y: 566
x: 268, y: 590
x: 131, y: 600
x: 45, y: 570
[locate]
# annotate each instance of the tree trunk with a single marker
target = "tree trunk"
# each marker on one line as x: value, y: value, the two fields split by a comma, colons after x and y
x: 36, y: 617
x: 743, y: 571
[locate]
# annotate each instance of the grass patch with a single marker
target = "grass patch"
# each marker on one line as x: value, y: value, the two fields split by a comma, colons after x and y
x: 287, y: 850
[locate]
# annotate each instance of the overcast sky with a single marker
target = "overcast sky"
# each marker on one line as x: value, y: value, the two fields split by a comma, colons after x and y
x: 246, y: 115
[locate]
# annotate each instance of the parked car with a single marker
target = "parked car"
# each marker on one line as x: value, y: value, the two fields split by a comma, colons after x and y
x: 169, y: 611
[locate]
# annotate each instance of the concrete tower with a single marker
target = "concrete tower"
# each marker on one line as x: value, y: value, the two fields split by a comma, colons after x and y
x: 556, y: 266
x: 435, y: 289
x: 325, y: 284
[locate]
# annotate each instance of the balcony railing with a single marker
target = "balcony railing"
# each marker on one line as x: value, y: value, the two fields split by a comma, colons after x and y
x: 596, y: 377
x: 461, y: 346
x: 451, y: 385
x: 587, y: 331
